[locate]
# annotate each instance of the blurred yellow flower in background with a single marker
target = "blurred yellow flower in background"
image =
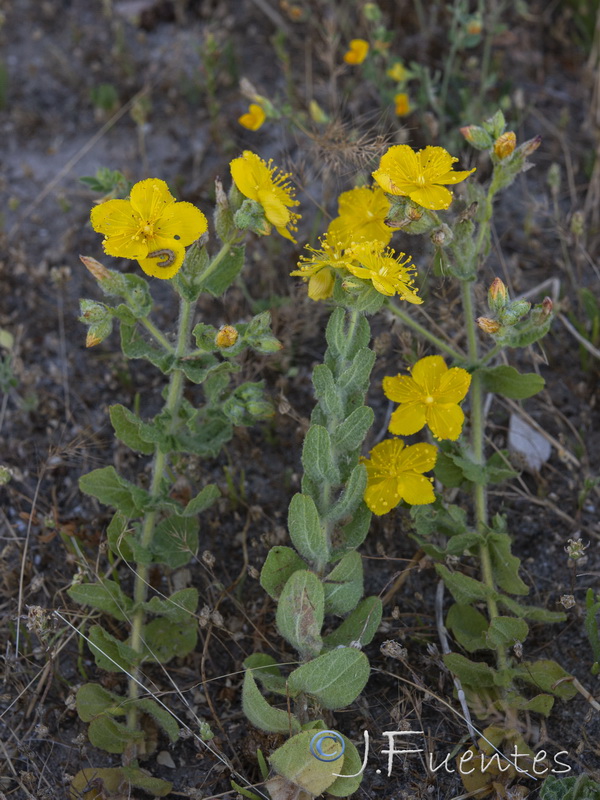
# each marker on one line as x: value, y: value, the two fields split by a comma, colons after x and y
x: 402, y: 104
x: 357, y: 51
x: 253, y: 118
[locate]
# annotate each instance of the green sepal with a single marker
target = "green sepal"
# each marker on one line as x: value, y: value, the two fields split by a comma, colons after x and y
x: 266, y: 670
x: 475, y: 674
x: 106, y: 595
x: 128, y: 428
x: 175, y: 540
x: 164, y: 639
x: 508, y: 382
x: 261, y: 713
x: 280, y: 564
x: 344, y: 585
x: 188, y: 281
x: 109, y: 653
x: 468, y: 627
x: 334, y: 679
x: 202, y: 501
x: 506, y: 632
x: 115, y: 781
x: 317, y: 456
x: 176, y: 608
x: 359, y: 626
x: 106, y: 485
x: 300, y: 613
x: 358, y: 295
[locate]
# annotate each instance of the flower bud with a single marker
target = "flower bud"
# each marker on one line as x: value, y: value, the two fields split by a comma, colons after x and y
x: 514, y: 311
x: 530, y: 146
x: 488, y: 325
x: 547, y: 306
x: 442, y: 236
x: 110, y: 281
x: 577, y: 225
x: 505, y: 144
x: 497, y: 296
x: 227, y: 336
x: 316, y: 113
x: 474, y: 26
x: 478, y: 137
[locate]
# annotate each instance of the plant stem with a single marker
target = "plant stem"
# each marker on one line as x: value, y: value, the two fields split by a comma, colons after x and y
x: 477, y: 447
x: 424, y: 332
x: 159, y: 464
x: 157, y: 334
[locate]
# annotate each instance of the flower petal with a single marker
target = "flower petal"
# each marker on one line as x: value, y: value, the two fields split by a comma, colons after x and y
x: 275, y: 211
x: 418, y: 458
x: 453, y: 386
x: 454, y: 177
x: 124, y: 245
x: 401, y: 389
x: 249, y: 172
x: 417, y: 490
x: 114, y: 217
x: 435, y: 198
x: 435, y: 161
x: 150, y: 197
x: 382, y: 496
x: 407, y: 419
x: 320, y: 285
x: 445, y: 421
x: 427, y: 373
x: 183, y: 222
x: 152, y: 266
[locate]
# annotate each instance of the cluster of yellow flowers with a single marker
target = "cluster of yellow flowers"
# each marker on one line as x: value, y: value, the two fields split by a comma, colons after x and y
x: 153, y: 228
x: 428, y: 396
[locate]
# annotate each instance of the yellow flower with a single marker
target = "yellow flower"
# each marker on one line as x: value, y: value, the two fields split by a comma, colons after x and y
x: 264, y: 184
x: 253, y: 118
x: 362, y: 214
x: 395, y: 473
x: 151, y: 227
x: 430, y: 396
x: 397, y: 72
x: 505, y: 145
x: 319, y: 268
x: 357, y: 52
x: 402, y: 104
x: 419, y: 175
x: 389, y: 275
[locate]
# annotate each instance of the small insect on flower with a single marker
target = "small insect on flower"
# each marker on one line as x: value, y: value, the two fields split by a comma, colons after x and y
x: 150, y: 226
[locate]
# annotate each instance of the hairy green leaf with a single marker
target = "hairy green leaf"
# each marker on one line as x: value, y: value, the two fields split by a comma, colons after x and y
x: 300, y: 612
x: 335, y: 678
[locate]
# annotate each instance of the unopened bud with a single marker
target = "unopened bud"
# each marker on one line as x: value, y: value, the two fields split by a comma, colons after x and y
x: 497, y: 296
x: 488, y: 325
x: 476, y: 136
x: 220, y: 195
x: 505, y: 145
x: 441, y: 236
x: 227, y: 336
x: 547, y: 306
x: 316, y: 113
x: 98, y: 270
x: 529, y: 147
x: 577, y: 223
x: 91, y: 340
x: 515, y: 311
x: 474, y: 26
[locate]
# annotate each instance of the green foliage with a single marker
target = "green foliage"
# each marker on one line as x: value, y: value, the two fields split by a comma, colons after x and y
x: 592, y: 610
x: 575, y: 787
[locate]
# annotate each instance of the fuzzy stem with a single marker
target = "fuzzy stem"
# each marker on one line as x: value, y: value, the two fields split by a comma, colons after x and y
x: 477, y: 447
x: 424, y: 332
x: 140, y: 590
x: 157, y: 334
